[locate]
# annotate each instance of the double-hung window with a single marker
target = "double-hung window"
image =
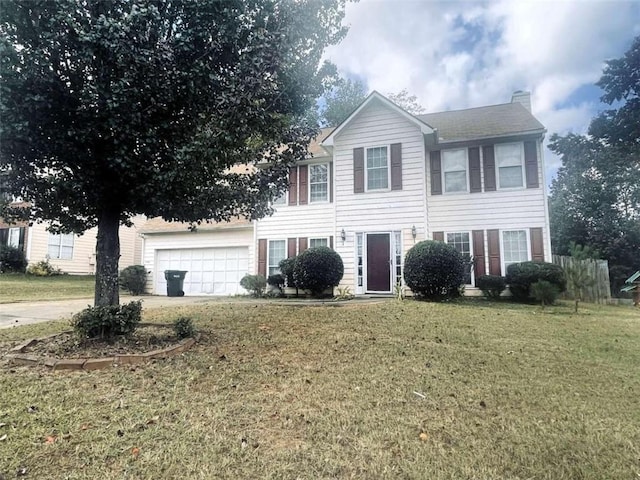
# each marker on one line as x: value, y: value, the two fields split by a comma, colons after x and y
x: 454, y: 170
x: 460, y: 241
x: 515, y: 247
x: 277, y: 253
x: 377, y: 170
x: 318, y: 183
x: 60, y: 246
x: 318, y: 242
x: 14, y: 237
x: 510, y: 165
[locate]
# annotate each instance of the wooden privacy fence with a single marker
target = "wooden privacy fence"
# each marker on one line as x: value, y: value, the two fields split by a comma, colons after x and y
x: 600, y: 291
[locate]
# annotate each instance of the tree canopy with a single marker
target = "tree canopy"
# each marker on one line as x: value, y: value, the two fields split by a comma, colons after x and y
x: 345, y: 96
x: 120, y: 107
x: 595, y: 198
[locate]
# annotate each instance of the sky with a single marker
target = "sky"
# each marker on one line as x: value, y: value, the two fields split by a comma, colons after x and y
x: 463, y: 54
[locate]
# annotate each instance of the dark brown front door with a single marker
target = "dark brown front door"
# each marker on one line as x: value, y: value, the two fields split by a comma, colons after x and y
x: 378, y: 264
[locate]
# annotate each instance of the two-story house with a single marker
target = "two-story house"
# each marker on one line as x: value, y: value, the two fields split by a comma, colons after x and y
x: 373, y: 187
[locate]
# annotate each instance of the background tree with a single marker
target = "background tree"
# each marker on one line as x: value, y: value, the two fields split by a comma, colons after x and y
x: 342, y: 100
x: 406, y: 101
x: 120, y: 107
x: 595, y: 198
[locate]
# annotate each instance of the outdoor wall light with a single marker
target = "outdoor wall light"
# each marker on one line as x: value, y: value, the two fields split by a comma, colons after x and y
x: 414, y: 233
x: 343, y: 235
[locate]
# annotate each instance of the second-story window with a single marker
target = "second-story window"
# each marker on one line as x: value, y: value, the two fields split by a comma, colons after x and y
x: 318, y: 183
x: 377, y: 170
x: 509, y: 164
x: 454, y: 170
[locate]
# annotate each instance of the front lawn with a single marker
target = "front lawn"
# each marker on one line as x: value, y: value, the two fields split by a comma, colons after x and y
x: 395, y: 390
x: 19, y: 288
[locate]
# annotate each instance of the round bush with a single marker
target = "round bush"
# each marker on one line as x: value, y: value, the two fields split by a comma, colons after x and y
x: 434, y: 270
x: 254, y: 284
x: 134, y: 279
x: 317, y: 269
x: 520, y: 277
x: 12, y: 259
x: 492, y: 286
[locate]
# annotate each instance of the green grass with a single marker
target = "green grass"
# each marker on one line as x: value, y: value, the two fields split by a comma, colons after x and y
x: 21, y: 288
x: 506, y: 392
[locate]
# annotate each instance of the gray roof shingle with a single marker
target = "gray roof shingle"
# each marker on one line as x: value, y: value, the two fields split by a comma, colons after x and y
x: 482, y: 122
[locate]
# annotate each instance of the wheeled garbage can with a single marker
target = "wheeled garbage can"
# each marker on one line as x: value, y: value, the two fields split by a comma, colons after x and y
x: 175, y: 282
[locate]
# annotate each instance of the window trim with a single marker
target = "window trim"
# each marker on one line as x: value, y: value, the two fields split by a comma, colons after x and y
x: 309, y: 201
x: 59, y: 245
x: 527, y: 236
x: 443, y: 171
x: 366, y: 169
x: 470, y: 233
x: 268, y: 266
x: 496, y: 148
x: 326, y: 239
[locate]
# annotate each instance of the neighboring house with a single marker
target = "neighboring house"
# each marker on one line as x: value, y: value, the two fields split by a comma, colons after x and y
x: 73, y: 254
x: 382, y: 181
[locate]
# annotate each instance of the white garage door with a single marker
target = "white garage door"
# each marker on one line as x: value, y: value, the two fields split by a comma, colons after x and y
x: 210, y: 271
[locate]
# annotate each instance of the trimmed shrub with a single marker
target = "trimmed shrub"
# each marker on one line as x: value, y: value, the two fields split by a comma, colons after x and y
x: 134, y: 279
x: 492, y: 286
x: 106, y: 322
x: 184, y: 327
x: 286, y: 267
x: 520, y: 277
x: 434, y: 270
x: 544, y: 292
x: 12, y: 260
x: 276, y: 281
x: 254, y: 284
x: 317, y: 269
x: 43, y: 269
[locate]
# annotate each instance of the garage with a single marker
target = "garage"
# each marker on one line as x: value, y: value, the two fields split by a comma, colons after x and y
x: 210, y: 271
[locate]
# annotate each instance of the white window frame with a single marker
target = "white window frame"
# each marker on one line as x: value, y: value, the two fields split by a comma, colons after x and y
x: 466, y: 171
x: 527, y: 235
x: 269, y: 251
x: 522, y: 165
x: 366, y: 169
x: 446, y: 240
x: 326, y: 239
x: 58, y: 243
x: 326, y: 200
x: 13, y: 237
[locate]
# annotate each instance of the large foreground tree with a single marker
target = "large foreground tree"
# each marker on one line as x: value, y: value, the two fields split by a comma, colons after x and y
x: 112, y: 108
x: 595, y: 199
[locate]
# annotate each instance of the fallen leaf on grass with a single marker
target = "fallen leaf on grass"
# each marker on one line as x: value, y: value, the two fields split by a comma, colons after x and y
x: 153, y: 420
x: 135, y: 451
x: 50, y: 439
x: 3, y: 437
x: 84, y: 426
x: 424, y: 437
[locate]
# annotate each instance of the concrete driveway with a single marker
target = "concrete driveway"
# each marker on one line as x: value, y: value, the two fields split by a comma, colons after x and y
x: 23, y: 313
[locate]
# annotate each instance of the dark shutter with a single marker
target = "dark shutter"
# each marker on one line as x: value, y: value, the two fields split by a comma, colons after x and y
x: 302, y: 244
x: 293, y: 186
x: 537, y: 245
x: 330, y: 181
x: 292, y: 243
x: 475, y: 182
x: 439, y: 236
x: 4, y: 236
x: 331, y: 242
x: 262, y: 257
x: 396, y: 166
x: 303, y: 184
x: 489, y: 164
x: 479, y: 265
x: 436, y: 173
x: 22, y: 237
x: 493, y: 239
x: 531, y: 164
x: 358, y: 170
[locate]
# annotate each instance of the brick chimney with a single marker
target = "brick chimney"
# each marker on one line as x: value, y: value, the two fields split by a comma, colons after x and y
x: 522, y: 97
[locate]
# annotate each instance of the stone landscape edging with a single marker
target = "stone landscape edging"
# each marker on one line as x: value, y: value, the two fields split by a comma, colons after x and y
x: 17, y: 355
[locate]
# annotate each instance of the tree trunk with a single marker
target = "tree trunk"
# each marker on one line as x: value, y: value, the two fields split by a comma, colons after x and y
x: 107, y: 256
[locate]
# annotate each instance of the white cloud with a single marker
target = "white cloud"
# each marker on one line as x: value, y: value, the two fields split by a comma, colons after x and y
x: 466, y: 54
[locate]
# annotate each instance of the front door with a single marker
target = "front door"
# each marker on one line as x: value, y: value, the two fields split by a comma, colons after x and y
x: 378, y: 262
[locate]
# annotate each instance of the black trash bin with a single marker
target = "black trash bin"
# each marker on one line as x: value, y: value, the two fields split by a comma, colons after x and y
x: 175, y: 282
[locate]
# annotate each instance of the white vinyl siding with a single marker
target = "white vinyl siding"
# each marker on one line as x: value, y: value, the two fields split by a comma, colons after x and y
x: 377, y: 171
x: 277, y: 253
x: 515, y: 247
x: 461, y: 241
x: 510, y: 165
x: 318, y: 242
x: 454, y: 170
x: 60, y: 246
x: 318, y: 183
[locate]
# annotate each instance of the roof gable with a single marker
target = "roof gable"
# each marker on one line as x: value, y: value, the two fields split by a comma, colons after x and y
x: 424, y: 127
